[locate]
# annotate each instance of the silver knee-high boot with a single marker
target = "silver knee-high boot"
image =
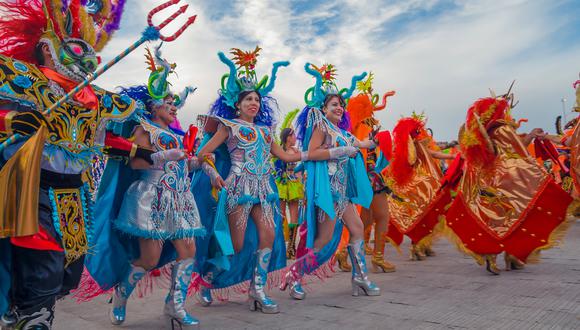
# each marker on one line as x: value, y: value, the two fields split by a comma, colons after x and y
x: 175, y: 301
x: 257, y: 294
x: 360, y: 280
x: 122, y: 293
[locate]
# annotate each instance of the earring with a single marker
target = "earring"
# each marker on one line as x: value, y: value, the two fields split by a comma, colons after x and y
x: 237, y: 112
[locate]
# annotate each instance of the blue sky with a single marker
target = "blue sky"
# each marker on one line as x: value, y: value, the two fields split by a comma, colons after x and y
x: 439, y: 55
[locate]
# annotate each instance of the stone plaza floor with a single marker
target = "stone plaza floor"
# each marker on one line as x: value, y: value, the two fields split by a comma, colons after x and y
x: 448, y: 291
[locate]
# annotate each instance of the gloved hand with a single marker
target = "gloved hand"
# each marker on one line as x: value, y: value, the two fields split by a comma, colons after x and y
x: 342, y: 152
x: 161, y: 157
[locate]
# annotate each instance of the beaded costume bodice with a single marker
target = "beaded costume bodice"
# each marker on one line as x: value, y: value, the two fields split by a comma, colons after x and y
x: 249, y: 146
x: 175, y: 177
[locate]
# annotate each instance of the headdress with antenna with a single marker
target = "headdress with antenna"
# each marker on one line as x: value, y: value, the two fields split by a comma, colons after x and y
x: 157, y: 84
x: 362, y: 106
x: 157, y: 88
x: 242, y: 77
x: 325, y: 85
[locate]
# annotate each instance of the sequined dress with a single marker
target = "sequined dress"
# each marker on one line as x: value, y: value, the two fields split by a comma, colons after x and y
x: 159, y: 205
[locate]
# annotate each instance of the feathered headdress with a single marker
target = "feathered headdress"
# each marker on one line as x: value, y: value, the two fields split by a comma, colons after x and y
x: 326, y: 85
x: 405, y: 155
x: 243, y: 77
x: 481, y: 116
x: 361, y: 107
x: 25, y: 22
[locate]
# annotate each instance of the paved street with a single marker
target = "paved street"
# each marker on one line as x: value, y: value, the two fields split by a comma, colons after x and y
x: 446, y: 291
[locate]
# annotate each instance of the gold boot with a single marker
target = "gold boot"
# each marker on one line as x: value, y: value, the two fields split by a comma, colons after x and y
x: 378, y: 260
x: 416, y: 254
x: 513, y: 263
x: 342, y: 259
x: 380, y: 264
x: 490, y: 264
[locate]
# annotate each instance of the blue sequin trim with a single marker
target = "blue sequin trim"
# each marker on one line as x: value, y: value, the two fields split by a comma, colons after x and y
x: 55, y: 217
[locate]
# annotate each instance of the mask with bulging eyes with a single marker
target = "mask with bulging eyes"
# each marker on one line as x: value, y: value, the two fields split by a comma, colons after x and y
x: 78, y: 56
x: 74, y: 58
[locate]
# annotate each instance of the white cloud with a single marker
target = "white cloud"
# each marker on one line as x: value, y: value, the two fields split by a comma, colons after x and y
x: 440, y: 65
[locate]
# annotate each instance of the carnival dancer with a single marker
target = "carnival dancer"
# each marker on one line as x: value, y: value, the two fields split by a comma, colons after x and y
x: 142, y: 206
x: 505, y: 201
x: 361, y: 109
x: 48, y: 48
x: 414, y: 175
x: 242, y: 120
x: 335, y: 181
x: 289, y: 183
x: 569, y: 138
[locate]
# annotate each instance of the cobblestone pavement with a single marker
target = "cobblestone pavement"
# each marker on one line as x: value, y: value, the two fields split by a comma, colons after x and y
x: 444, y: 292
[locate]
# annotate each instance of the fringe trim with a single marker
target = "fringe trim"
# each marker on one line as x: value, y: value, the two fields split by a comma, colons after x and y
x: 454, y: 239
x: 236, y: 290
x: 393, y: 244
x: 89, y: 289
x: 428, y: 240
x: 556, y: 236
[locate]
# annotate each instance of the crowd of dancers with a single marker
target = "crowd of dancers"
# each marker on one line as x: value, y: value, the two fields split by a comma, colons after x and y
x: 106, y: 193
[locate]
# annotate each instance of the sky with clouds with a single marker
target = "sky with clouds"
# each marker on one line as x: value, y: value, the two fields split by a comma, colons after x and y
x: 438, y: 55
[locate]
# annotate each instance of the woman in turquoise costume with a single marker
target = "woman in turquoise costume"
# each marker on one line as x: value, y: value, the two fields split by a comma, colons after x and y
x: 142, y: 206
x: 335, y: 180
x: 241, y: 121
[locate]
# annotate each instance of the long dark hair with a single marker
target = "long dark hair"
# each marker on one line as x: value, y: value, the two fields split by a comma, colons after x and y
x: 266, y: 115
x: 284, y: 134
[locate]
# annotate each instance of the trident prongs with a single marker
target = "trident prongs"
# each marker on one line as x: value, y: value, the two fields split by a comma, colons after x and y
x: 163, y: 24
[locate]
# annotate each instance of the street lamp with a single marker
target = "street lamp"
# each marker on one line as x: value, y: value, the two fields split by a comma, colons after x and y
x: 564, y: 109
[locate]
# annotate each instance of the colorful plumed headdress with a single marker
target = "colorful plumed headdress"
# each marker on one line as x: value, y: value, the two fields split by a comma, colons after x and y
x: 326, y: 85
x: 158, y: 84
x: 404, y: 156
x: 362, y: 106
x: 25, y: 23
x: 242, y: 76
x: 157, y: 88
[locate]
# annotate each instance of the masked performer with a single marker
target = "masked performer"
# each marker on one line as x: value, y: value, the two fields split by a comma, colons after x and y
x: 144, y: 205
x: 241, y: 121
x: 48, y: 47
x: 361, y: 109
x: 335, y: 180
x: 505, y: 201
x: 414, y: 176
x: 289, y: 183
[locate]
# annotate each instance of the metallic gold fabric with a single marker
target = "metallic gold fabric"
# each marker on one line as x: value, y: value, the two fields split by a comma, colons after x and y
x: 499, y: 196
x: 411, y: 201
x: 19, y: 184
